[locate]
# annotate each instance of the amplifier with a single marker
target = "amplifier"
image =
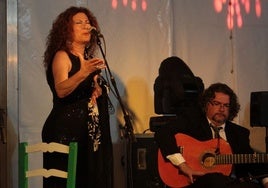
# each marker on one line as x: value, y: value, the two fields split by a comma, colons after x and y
x: 259, y: 109
x: 144, y: 162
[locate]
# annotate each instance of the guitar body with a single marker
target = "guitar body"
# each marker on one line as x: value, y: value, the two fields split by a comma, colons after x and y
x: 199, y: 155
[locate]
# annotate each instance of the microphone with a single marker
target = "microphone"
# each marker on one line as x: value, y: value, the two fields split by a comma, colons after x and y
x: 94, y: 31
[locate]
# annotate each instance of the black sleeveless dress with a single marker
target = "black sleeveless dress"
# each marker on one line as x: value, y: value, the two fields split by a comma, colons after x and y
x: 68, y: 122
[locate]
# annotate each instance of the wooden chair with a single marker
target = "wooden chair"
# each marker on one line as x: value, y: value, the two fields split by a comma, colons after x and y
x: 25, y: 173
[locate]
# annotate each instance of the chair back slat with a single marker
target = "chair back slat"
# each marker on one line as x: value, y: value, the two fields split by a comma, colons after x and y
x: 48, y: 147
x: 24, y: 173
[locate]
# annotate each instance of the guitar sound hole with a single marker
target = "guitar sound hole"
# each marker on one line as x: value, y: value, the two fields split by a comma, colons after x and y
x: 208, y: 160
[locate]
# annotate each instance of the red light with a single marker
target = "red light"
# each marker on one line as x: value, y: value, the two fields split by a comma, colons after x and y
x: 258, y: 8
x: 235, y: 8
x: 218, y: 5
x: 144, y: 5
x: 114, y: 4
x: 134, y: 5
x: 125, y: 2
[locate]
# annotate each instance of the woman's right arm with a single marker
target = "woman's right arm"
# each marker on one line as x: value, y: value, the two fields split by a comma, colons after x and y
x: 61, y: 67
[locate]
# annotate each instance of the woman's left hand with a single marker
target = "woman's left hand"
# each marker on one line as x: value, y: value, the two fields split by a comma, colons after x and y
x: 97, y: 90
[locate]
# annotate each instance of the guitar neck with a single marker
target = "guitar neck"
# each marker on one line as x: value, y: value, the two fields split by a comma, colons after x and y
x: 242, y: 158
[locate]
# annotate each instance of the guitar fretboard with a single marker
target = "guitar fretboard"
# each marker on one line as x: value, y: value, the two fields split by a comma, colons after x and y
x: 242, y: 158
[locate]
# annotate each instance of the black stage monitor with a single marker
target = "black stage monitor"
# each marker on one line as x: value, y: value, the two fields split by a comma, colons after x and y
x: 259, y: 109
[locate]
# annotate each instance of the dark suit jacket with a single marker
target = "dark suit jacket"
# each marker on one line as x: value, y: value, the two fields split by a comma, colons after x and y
x: 193, y: 122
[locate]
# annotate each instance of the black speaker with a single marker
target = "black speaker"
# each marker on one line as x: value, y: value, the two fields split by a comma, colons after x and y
x: 259, y: 109
x: 144, y: 162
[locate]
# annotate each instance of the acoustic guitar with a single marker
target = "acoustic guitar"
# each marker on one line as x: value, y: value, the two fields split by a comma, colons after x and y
x: 201, y: 156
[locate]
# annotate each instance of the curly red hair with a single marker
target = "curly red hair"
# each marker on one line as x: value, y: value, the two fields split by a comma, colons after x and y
x: 60, y: 36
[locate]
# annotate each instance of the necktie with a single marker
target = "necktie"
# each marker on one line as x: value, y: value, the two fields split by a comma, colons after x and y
x: 216, y: 130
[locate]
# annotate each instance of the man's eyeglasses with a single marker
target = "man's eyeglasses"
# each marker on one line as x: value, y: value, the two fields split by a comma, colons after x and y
x: 219, y: 105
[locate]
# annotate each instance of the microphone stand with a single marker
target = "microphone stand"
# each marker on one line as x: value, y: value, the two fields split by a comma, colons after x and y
x: 128, y: 128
